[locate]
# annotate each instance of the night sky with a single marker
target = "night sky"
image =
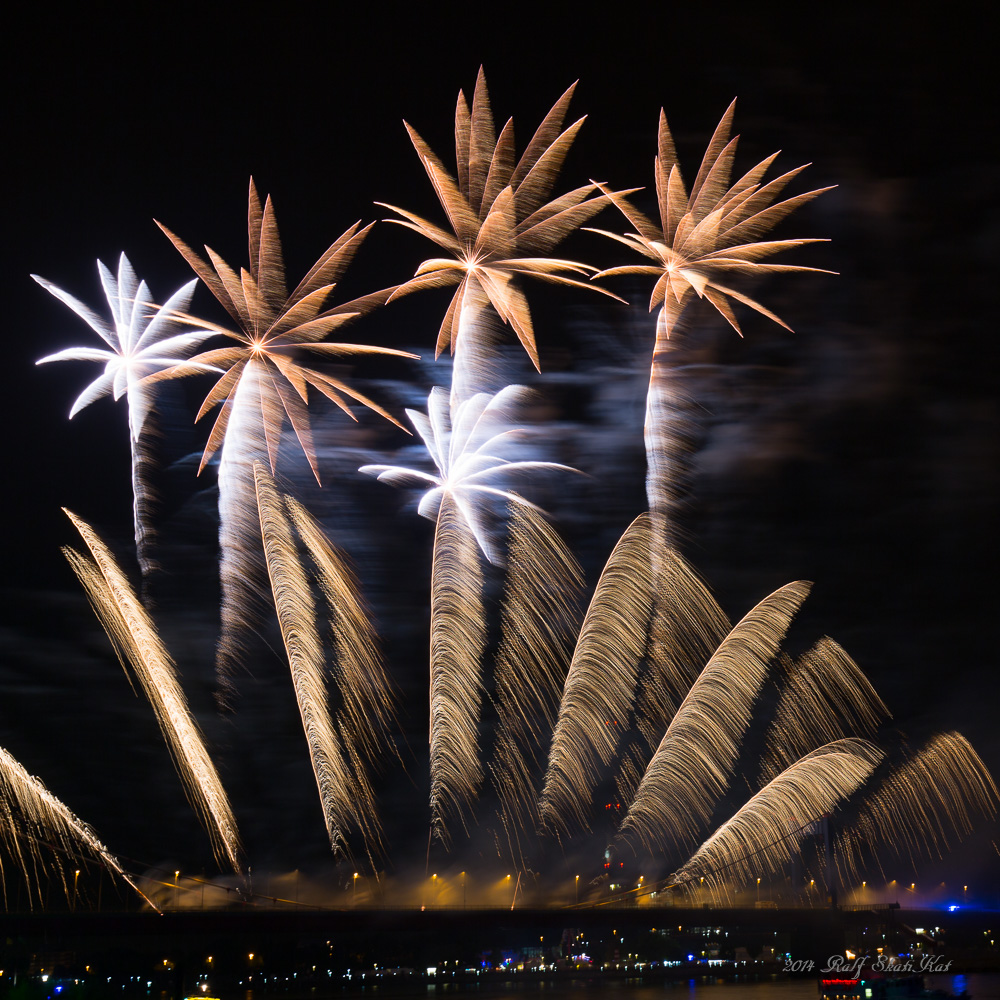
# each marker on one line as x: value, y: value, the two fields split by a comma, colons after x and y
x: 859, y: 452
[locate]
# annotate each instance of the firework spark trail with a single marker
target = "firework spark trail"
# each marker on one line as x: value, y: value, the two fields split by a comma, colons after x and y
x: 264, y: 383
x: 142, y: 339
x: 698, y: 236
x: 464, y: 441
x: 598, y: 694
x: 668, y: 436
x: 693, y: 764
x: 539, y: 618
x: 345, y: 794
x: 766, y: 832
x: 135, y: 640
x: 475, y: 363
x: 29, y: 808
x: 923, y: 805
x: 458, y: 639
x: 824, y: 697
x: 365, y: 688
x: 499, y: 213
x: 687, y: 627
x: 516, y: 814
x: 243, y: 596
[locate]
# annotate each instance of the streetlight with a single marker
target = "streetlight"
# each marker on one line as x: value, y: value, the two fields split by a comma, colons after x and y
x: 177, y: 875
x: 578, y: 889
x: 76, y: 876
x: 355, y: 900
x: 463, y: 890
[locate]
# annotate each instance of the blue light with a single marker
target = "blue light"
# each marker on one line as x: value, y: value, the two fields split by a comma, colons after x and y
x: 952, y: 908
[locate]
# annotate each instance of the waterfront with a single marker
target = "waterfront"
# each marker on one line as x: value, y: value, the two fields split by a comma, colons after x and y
x: 978, y: 986
x: 444, y: 953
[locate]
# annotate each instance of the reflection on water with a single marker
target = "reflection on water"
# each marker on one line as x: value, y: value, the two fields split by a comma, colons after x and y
x: 979, y: 987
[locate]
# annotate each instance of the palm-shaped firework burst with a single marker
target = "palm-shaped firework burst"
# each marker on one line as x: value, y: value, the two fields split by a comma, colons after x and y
x: 142, y: 339
x: 464, y: 441
x: 503, y: 222
x: 265, y: 382
x: 701, y: 237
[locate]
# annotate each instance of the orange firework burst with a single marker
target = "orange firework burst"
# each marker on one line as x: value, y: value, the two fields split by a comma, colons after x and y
x: 702, y: 236
x: 503, y: 220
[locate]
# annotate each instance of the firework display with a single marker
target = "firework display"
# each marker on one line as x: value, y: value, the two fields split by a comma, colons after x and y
x: 541, y: 697
x: 143, y: 339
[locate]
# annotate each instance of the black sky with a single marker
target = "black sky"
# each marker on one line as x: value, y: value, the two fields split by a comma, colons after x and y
x: 860, y: 453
